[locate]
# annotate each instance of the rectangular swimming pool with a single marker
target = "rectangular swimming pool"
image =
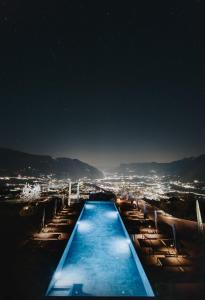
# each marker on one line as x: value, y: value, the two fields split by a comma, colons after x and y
x: 99, y: 259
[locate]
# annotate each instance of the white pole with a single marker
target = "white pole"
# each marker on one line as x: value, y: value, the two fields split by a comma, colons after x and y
x: 155, y: 220
x: 55, y: 207
x: 174, y: 236
x: 145, y: 210
x: 63, y: 201
x: 43, y: 218
x: 69, y: 193
x: 199, y: 219
x: 78, y: 191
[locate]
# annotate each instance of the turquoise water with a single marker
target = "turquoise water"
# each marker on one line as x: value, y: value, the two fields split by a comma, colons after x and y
x: 99, y: 259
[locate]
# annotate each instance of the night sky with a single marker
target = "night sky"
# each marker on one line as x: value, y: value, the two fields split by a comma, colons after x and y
x: 103, y: 81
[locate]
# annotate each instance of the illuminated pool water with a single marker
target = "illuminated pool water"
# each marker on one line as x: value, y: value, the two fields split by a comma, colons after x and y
x: 99, y: 259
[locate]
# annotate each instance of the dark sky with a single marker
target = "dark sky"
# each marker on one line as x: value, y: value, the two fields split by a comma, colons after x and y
x: 103, y: 81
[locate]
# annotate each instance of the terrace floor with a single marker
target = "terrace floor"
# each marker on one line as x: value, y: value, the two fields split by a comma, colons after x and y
x: 173, y: 273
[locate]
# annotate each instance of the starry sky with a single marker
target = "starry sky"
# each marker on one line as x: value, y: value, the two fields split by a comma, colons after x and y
x: 106, y: 82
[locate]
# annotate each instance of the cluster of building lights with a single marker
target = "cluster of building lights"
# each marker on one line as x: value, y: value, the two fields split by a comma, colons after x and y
x: 151, y: 187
